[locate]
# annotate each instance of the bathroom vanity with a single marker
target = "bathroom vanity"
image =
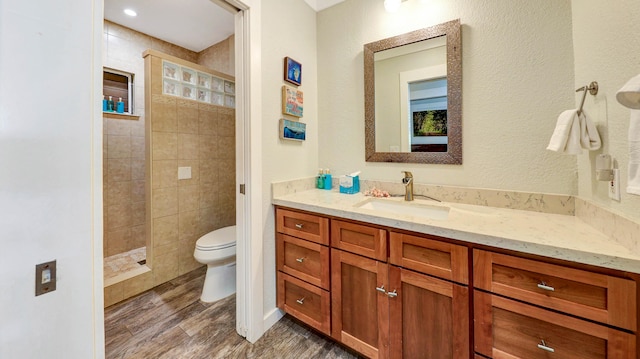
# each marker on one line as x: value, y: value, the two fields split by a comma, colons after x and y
x: 392, y: 279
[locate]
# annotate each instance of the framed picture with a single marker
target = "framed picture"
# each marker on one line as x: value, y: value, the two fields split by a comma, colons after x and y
x: 293, y: 130
x: 292, y: 71
x: 291, y: 101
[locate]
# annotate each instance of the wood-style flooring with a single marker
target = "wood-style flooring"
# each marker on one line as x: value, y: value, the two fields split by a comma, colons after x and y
x: 170, y: 321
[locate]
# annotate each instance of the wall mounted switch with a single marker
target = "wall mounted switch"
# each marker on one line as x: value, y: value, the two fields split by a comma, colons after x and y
x: 614, y: 185
x: 45, y: 277
x: 184, y: 173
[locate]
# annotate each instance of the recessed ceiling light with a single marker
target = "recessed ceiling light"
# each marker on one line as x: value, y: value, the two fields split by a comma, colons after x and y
x: 130, y: 12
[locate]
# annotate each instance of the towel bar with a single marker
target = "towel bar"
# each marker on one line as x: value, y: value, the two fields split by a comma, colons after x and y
x: 593, y: 90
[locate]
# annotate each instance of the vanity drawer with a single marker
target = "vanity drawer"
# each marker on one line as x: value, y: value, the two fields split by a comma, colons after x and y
x: 302, y: 225
x: 360, y: 239
x: 602, y: 298
x: 303, y: 259
x: 304, y: 301
x: 508, y: 329
x: 440, y: 259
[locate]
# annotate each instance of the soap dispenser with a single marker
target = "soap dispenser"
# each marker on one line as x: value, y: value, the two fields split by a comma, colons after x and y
x: 110, y: 104
x: 327, y: 179
x: 320, y: 179
x: 120, y: 106
x: 105, y: 104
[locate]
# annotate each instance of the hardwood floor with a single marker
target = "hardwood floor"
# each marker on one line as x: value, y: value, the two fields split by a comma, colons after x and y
x: 169, y: 321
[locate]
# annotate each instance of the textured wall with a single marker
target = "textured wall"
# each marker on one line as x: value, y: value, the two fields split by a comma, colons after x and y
x: 50, y: 191
x: 607, y: 50
x: 220, y: 56
x: 288, y: 29
x: 517, y: 78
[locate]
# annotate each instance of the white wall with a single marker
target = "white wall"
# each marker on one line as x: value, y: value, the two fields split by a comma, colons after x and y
x: 50, y: 141
x: 288, y: 29
x: 607, y: 50
x: 517, y: 78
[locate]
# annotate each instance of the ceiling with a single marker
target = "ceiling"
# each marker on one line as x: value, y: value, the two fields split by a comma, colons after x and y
x: 192, y: 24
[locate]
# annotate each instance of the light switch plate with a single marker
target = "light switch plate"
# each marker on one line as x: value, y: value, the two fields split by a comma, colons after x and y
x: 45, y: 277
x: 184, y: 173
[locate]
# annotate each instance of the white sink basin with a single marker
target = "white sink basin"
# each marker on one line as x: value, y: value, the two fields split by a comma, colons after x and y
x: 414, y: 208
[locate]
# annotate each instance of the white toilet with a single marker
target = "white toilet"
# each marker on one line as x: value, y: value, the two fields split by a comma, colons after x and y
x: 217, y: 249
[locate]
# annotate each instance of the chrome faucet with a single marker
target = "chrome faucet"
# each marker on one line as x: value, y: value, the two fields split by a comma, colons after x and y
x: 407, y: 181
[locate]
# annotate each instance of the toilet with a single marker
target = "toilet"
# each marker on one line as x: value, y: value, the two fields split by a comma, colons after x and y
x: 217, y: 249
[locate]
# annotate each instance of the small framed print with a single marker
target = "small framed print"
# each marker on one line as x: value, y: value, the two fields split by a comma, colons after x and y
x: 292, y: 71
x: 292, y: 101
x: 292, y: 130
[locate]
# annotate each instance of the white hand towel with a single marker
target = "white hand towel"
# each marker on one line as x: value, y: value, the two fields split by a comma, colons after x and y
x: 629, y: 94
x: 566, y: 136
x: 589, y: 136
x: 633, y: 185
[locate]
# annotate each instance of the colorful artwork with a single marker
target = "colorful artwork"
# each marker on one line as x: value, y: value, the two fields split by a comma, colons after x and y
x: 291, y: 101
x: 292, y: 71
x: 293, y: 130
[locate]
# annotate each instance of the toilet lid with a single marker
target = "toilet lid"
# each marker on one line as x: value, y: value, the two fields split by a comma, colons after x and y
x: 218, y: 239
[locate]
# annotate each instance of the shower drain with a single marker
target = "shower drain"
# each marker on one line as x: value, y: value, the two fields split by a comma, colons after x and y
x: 142, y: 262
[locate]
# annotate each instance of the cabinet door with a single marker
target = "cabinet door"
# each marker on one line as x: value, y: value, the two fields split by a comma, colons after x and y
x: 359, y: 304
x: 429, y: 318
x: 505, y: 328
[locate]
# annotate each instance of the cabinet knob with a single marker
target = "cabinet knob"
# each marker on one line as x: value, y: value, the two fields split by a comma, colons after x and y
x: 544, y: 346
x: 300, y: 260
x: 544, y: 286
x: 300, y: 301
x: 381, y: 289
x: 299, y: 225
x: 392, y: 294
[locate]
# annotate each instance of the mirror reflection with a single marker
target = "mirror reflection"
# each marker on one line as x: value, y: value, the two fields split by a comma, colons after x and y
x: 413, y: 96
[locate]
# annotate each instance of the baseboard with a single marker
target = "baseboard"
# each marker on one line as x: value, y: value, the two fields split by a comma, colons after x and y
x: 271, y: 318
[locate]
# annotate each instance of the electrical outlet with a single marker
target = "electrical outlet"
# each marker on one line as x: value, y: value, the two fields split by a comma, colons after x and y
x: 614, y: 185
x: 45, y: 277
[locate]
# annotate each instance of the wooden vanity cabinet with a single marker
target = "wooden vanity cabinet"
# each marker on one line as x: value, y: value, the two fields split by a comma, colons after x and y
x: 526, y: 308
x: 386, y: 311
x: 302, y: 260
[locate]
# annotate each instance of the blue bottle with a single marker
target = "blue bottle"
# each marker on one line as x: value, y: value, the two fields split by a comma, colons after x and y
x: 327, y: 179
x: 120, y: 105
x: 110, y: 104
x: 104, y: 103
x: 320, y: 179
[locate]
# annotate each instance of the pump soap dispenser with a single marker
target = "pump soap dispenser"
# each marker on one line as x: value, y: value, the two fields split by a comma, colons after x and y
x: 120, y: 105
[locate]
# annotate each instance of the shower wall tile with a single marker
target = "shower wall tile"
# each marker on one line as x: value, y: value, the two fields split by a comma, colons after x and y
x: 165, y: 267
x: 209, y: 171
x: 118, y: 216
x: 227, y: 147
x: 137, y: 191
x: 188, y: 146
x: 119, y: 146
x: 208, y: 194
x: 165, y: 230
x: 137, y: 147
x: 165, y: 146
x: 138, y: 214
x: 208, y: 148
x: 207, y: 119
x: 118, y: 170
x: 137, y: 127
x: 138, y: 167
x: 117, y: 127
x: 165, y: 201
x: 117, y: 192
x: 165, y: 114
x: 164, y: 174
x: 138, y: 237
x: 188, y: 118
x: 188, y: 198
x: 189, y: 225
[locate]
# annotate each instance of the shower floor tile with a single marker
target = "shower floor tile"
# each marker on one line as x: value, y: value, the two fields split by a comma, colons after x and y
x: 118, y: 264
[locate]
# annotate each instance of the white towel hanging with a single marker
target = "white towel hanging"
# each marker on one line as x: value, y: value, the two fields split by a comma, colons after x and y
x: 574, y: 132
x: 629, y: 96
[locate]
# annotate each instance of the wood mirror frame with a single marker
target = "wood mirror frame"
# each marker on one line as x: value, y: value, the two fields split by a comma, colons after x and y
x: 454, y: 95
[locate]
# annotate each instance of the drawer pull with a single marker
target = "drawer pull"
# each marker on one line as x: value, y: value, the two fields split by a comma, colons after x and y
x: 300, y: 301
x: 299, y: 225
x: 544, y: 286
x: 300, y: 260
x: 381, y: 289
x: 392, y: 294
x: 544, y: 346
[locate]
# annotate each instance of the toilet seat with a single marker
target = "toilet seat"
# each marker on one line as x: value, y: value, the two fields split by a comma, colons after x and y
x: 218, y: 239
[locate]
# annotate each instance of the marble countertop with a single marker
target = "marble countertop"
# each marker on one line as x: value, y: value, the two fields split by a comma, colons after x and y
x: 552, y: 235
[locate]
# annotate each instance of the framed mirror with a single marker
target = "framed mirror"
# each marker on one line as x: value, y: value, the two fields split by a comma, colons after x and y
x: 413, y: 96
